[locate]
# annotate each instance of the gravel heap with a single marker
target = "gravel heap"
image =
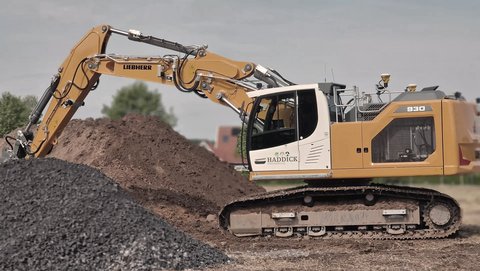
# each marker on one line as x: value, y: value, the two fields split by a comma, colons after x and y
x: 57, y: 215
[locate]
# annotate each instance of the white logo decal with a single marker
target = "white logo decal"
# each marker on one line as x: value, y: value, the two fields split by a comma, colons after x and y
x: 420, y: 108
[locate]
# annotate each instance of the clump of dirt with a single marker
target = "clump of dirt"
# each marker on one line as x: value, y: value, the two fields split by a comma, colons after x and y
x: 57, y: 215
x: 178, y: 180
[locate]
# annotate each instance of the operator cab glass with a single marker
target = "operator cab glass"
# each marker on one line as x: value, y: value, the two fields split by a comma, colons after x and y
x: 282, y: 118
x: 275, y: 121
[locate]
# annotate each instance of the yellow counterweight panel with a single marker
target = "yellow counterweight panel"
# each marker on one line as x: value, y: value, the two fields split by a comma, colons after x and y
x: 460, y: 139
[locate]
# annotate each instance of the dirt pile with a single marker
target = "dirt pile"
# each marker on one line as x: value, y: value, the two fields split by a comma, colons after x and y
x: 62, y: 216
x: 182, y: 182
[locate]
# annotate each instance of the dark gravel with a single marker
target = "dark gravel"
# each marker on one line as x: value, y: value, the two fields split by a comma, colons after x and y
x: 56, y: 215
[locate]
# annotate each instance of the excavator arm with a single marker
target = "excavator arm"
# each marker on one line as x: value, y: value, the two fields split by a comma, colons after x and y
x: 195, y: 70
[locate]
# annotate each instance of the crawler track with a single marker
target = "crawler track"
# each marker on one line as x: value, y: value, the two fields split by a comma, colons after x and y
x: 383, y: 212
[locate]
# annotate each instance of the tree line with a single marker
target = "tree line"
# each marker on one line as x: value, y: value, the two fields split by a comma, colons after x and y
x: 134, y: 98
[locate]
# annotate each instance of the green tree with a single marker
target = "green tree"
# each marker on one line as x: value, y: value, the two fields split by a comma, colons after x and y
x: 137, y: 98
x: 14, y: 111
x: 242, y: 142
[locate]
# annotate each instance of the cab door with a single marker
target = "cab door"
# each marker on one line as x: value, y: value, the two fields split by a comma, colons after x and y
x: 313, y: 129
x: 273, y: 138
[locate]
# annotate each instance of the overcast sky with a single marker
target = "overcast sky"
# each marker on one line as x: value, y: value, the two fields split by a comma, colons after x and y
x: 422, y: 42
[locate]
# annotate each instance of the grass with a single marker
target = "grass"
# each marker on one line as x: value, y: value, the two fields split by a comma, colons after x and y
x: 280, y: 183
x: 473, y: 179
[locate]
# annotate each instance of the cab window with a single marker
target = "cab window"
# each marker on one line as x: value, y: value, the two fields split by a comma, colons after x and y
x: 274, y: 121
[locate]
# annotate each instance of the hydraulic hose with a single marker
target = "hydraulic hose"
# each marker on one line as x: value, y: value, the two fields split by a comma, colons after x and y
x: 47, y: 95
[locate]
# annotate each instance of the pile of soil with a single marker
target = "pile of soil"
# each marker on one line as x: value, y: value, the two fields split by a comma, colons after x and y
x: 62, y: 216
x: 181, y: 182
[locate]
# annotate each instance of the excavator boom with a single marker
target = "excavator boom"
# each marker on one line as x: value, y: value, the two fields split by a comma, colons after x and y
x: 204, y: 73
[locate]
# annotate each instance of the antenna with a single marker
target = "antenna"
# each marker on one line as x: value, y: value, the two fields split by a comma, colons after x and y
x: 325, y: 70
x: 333, y: 76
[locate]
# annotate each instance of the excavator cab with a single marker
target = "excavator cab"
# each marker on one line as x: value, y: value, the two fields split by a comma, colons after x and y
x: 289, y: 130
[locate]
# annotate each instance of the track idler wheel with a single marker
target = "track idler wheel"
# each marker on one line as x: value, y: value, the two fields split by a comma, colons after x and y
x: 440, y: 215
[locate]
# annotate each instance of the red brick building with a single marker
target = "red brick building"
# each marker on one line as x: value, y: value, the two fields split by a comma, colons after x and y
x: 225, y: 146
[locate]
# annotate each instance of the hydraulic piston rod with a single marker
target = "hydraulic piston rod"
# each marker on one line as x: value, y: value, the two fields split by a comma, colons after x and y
x: 136, y: 35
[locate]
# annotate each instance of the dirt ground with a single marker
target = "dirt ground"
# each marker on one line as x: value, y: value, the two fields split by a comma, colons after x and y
x: 461, y: 252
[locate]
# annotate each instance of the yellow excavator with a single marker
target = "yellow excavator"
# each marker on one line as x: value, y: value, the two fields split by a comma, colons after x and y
x: 336, y: 139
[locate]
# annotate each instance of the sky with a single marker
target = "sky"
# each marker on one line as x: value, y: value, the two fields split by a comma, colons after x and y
x: 350, y: 42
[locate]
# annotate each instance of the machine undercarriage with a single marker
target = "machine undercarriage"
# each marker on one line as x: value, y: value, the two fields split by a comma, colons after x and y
x: 367, y: 211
